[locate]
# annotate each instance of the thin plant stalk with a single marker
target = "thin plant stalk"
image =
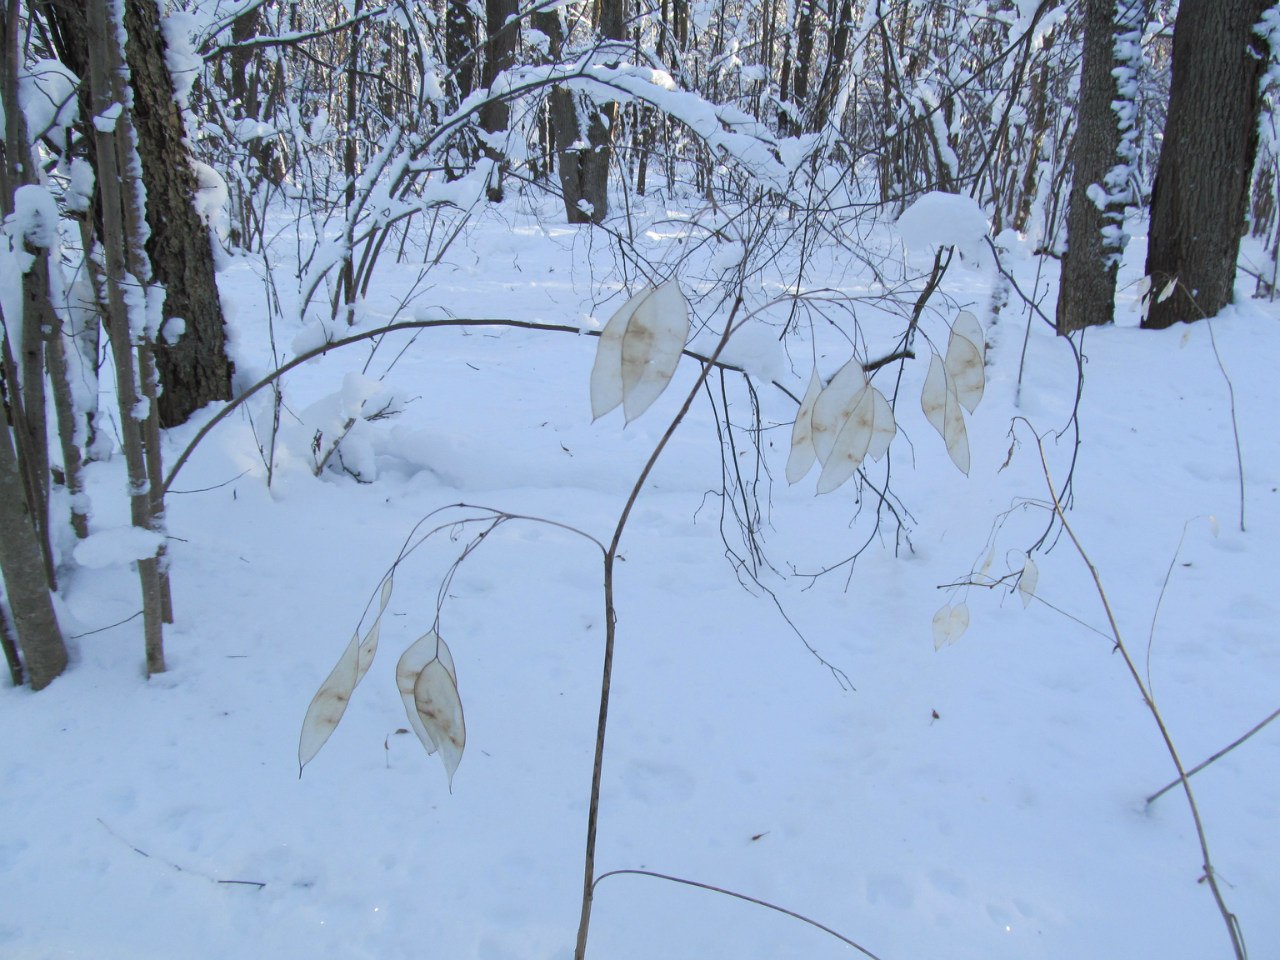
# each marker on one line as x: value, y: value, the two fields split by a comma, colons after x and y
x: 1235, y: 424
x: 1210, y: 875
x: 1217, y: 756
x: 795, y: 915
x: 610, y: 627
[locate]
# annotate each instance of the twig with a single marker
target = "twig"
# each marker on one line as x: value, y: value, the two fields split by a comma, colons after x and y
x: 1221, y: 753
x: 742, y: 896
x: 214, y: 487
x: 1231, y: 390
x: 610, y: 625
x: 181, y: 869
x: 992, y: 584
x: 1210, y: 875
x: 110, y: 626
x: 1164, y: 588
x: 279, y: 372
x: 1235, y: 425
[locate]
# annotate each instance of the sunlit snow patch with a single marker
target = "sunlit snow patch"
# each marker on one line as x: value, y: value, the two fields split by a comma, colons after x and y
x: 119, y: 545
x: 944, y: 220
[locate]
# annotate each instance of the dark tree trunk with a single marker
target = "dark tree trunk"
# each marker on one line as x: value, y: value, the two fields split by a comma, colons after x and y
x: 499, y: 55
x: 503, y: 33
x: 22, y: 567
x: 26, y: 557
x: 584, y: 172
x: 804, y: 57
x: 841, y: 14
x: 1201, y: 191
x: 1038, y: 126
x: 22, y: 383
x: 1087, y: 293
x: 195, y: 370
x: 680, y: 23
x: 128, y: 267
x: 459, y: 45
x: 254, y: 82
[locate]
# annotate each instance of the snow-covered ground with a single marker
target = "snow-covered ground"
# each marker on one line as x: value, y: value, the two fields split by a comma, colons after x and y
x: 981, y: 800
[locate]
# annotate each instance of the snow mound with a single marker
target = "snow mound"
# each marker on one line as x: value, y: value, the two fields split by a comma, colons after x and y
x: 943, y: 220
x: 119, y: 545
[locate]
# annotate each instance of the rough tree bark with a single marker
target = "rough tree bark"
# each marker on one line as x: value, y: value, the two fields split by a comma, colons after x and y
x: 194, y: 370
x: 127, y: 267
x: 23, y: 337
x: 1095, y: 217
x: 803, y: 59
x: 23, y: 569
x: 9, y: 643
x: 1201, y: 191
x: 583, y: 155
x: 25, y: 558
x: 818, y: 114
x: 459, y: 45
x: 503, y: 35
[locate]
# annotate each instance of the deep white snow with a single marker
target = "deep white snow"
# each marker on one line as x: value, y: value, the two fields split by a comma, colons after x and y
x: 981, y: 800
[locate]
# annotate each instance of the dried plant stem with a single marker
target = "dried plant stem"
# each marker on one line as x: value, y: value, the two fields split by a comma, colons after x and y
x: 1217, y: 756
x: 1235, y: 424
x: 742, y: 896
x: 610, y: 626
x: 1210, y: 875
x: 1231, y: 390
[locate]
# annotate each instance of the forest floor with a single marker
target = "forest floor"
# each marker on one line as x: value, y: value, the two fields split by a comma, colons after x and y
x: 985, y: 799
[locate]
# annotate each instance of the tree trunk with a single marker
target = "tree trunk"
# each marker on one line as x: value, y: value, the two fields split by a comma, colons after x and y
x: 583, y: 155
x: 9, y: 643
x: 499, y: 55
x: 819, y: 113
x: 1201, y: 191
x: 803, y: 60
x: 1087, y: 292
x: 127, y: 267
x: 22, y: 566
x: 195, y: 369
x: 26, y: 560
x: 21, y: 346
x: 459, y: 45
x: 345, y: 295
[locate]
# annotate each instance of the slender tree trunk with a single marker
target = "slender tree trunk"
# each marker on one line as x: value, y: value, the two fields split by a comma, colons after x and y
x: 500, y: 54
x: 70, y: 436
x: 804, y: 57
x: 583, y: 130
x: 1094, y: 219
x: 127, y: 268
x: 345, y: 296
x: 26, y: 561
x: 45, y: 348
x: 819, y: 113
x: 646, y: 123
x: 1038, y: 126
x: 23, y: 568
x: 1201, y: 191
x: 194, y: 370
x: 23, y: 355
x: 459, y: 45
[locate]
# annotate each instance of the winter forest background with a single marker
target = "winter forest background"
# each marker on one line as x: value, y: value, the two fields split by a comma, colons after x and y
x: 305, y: 302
